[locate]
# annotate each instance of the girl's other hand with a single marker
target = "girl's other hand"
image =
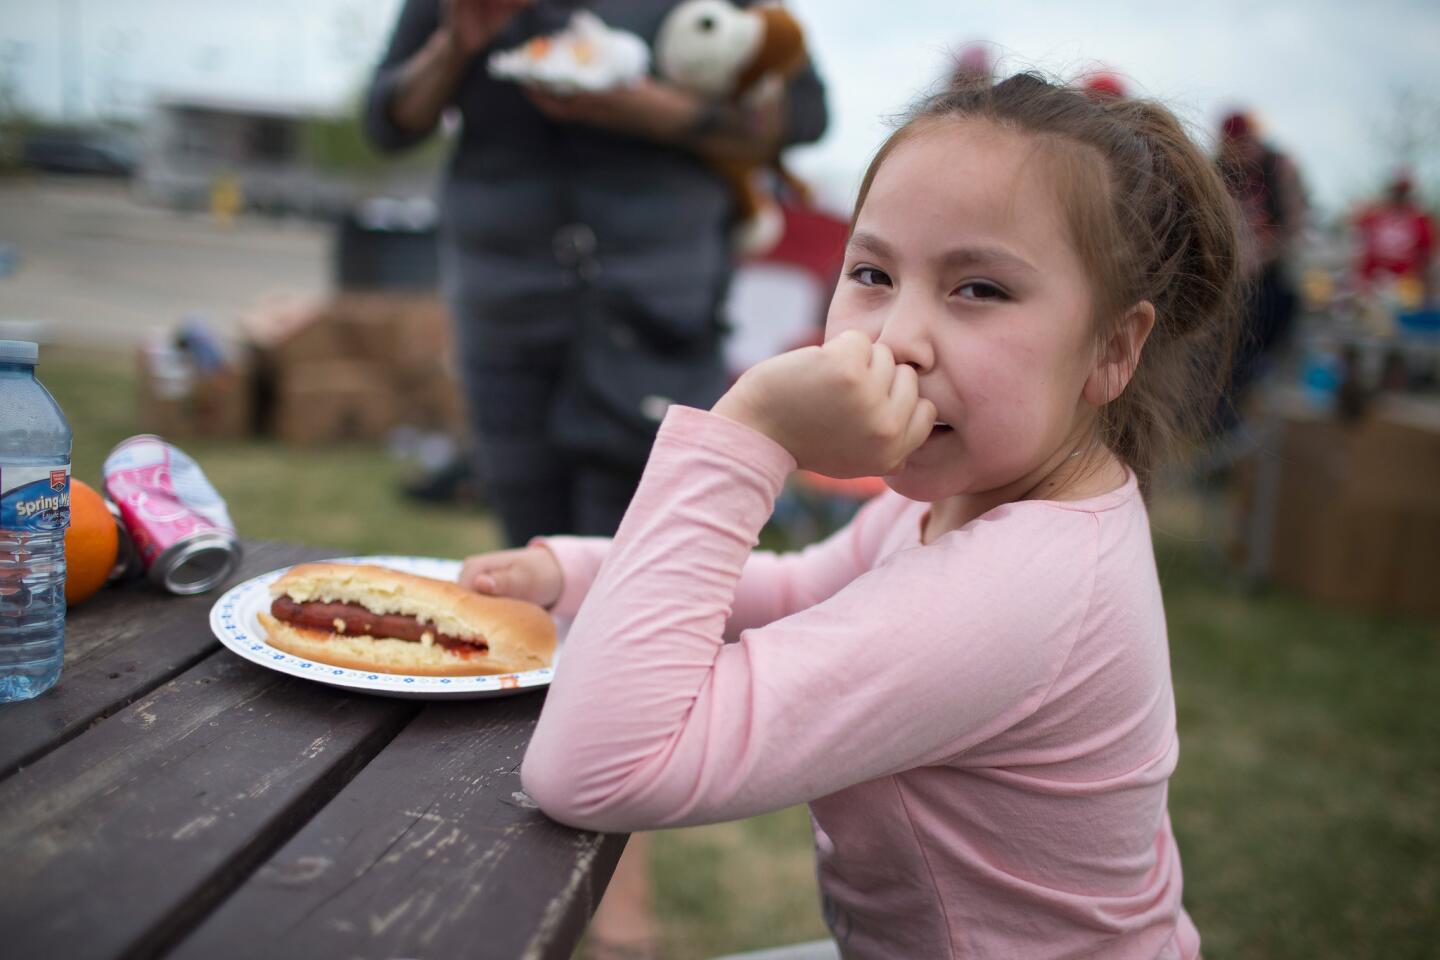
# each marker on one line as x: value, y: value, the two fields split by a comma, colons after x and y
x: 530, y: 573
x: 846, y: 409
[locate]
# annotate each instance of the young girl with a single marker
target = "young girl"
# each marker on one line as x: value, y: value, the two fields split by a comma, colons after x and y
x: 970, y: 684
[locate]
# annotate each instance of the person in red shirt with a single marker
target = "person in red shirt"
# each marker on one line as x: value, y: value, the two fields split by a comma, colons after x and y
x: 1102, y: 83
x: 1396, y: 239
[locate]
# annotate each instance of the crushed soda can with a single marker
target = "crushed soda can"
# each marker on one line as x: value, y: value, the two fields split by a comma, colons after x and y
x: 179, y: 531
x: 127, y: 561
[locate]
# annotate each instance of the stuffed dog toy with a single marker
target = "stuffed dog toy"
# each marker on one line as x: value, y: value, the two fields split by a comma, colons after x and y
x: 717, y: 50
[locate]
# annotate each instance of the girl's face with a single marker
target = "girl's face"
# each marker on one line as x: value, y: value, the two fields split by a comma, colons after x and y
x: 960, y: 262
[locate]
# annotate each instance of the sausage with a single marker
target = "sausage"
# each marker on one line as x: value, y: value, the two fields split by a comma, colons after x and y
x: 354, y: 620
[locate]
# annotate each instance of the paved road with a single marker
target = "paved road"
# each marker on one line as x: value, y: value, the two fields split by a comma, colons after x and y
x: 99, y: 268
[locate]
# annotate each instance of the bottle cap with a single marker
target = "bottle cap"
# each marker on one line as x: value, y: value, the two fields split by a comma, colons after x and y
x: 19, y: 351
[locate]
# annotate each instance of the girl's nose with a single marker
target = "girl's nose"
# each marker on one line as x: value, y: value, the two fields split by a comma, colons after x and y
x: 907, y: 333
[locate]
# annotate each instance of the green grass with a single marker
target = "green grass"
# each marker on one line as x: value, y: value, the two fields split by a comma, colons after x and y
x: 1309, y: 781
x: 737, y: 886
x: 1307, y: 801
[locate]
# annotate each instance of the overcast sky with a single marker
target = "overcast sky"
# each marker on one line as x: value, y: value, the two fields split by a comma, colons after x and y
x: 1323, y: 75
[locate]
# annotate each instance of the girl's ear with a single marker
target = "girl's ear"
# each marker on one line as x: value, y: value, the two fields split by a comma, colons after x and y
x: 1118, y: 356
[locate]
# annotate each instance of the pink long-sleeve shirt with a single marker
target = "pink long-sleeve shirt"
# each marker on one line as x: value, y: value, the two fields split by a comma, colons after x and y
x: 983, y: 726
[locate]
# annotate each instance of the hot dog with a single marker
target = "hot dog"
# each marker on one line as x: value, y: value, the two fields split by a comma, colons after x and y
x: 374, y: 618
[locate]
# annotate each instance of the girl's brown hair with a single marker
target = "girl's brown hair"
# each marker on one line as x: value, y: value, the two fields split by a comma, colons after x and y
x: 1151, y: 220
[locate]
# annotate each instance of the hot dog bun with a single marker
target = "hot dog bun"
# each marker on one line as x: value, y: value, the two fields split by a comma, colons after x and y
x: 519, y: 635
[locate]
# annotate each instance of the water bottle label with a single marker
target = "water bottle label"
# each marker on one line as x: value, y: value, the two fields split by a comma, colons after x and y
x: 34, y: 499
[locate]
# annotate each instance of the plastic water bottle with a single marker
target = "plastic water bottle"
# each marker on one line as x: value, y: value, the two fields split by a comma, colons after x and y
x: 34, y: 512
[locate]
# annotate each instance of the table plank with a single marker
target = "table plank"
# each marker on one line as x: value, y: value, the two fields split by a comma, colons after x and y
x: 432, y: 851
x: 120, y: 645
x: 118, y: 842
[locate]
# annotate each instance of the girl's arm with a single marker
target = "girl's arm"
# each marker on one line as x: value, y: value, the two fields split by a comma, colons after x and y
x: 654, y: 721
x: 771, y: 586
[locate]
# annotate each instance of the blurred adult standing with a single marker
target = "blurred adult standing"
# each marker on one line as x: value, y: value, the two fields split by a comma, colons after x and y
x: 585, y: 250
x: 1396, y: 240
x: 1266, y: 185
x: 585, y: 256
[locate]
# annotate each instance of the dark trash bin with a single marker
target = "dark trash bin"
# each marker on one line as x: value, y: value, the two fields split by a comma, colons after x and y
x: 387, y: 244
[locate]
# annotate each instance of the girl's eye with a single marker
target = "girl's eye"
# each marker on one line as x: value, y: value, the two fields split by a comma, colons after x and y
x: 981, y: 290
x: 869, y: 277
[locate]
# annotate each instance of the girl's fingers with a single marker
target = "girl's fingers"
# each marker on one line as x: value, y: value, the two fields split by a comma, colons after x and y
x: 851, y: 344
x: 501, y: 582
x: 478, y: 576
x: 882, y: 370
x: 483, y: 572
x: 922, y: 421
x: 909, y: 410
x: 506, y: 581
x: 468, y: 571
x: 905, y: 388
x: 899, y: 402
x: 849, y: 340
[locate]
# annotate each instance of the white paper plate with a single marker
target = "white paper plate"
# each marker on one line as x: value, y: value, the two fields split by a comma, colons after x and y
x: 234, y: 620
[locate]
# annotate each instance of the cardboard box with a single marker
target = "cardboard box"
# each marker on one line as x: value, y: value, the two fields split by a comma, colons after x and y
x: 408, y: 332
x: 287, y: 329
x: 423, y: 339
x: 431, y: 403
x: 307, y: 351
x: 333, y: 400
x: 364, y: 325
x: 1357, y: 516
x: 178, y: 401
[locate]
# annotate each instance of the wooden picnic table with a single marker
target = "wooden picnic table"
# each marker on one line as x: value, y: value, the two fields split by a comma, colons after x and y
x: 170, y: 799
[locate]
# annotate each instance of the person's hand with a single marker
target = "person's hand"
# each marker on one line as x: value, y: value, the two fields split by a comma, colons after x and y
x: 530, y: 573
x: 472, y: 24
x: 846, y: 409
x: 645, y: 108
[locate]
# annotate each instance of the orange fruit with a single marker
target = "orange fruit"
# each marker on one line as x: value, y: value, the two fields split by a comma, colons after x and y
x: 91, y: 544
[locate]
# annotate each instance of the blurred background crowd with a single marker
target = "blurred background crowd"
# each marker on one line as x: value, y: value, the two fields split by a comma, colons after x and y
x: 346, y: 267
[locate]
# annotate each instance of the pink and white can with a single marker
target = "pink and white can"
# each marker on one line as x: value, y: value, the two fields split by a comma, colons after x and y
x: 182, y: 535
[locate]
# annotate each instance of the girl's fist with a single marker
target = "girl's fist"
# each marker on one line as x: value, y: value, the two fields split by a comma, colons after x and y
x: 846, y: 409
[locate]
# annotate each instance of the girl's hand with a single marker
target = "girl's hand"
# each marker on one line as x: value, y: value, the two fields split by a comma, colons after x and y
x: 530, y: 573
x: 844, y: 410
x: 472, y: 24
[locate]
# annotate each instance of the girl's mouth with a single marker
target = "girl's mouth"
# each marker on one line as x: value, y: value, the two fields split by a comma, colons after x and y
x: 939, y: 431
